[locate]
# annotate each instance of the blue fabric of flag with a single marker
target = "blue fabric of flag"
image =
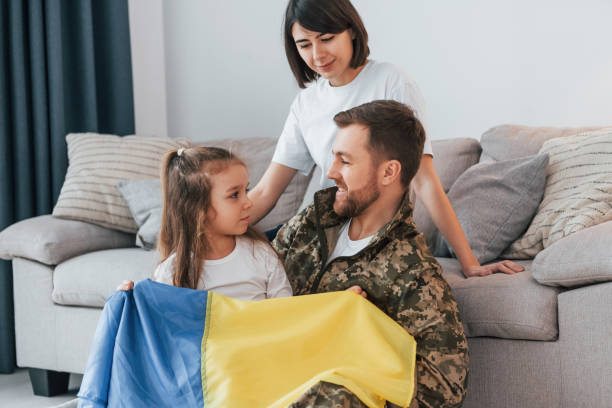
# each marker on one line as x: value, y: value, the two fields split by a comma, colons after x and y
x: 147, y: 349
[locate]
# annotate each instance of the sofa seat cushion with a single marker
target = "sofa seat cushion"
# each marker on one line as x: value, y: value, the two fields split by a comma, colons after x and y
x: 88, y: 280
x: 505, y: 306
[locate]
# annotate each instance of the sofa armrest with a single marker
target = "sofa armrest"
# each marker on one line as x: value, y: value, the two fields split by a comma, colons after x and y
x: 52, y: 240
x: 579, y: 259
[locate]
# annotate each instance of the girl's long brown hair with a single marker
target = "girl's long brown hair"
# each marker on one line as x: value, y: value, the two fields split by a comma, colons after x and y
x: 186, y: 184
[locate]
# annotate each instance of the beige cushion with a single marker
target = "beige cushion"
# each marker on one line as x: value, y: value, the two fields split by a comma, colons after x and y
x: 579, y: 259
x: 96, y: 163
x: 257, y: 154
x: 506, y: 142
x: 451, y: 158
x: 506, y: 306
x: 88, y: 280
x: 578, y: 191
x: 50, y: 240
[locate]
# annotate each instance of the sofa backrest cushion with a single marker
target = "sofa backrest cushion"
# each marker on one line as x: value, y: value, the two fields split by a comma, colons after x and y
x: 313, y: 186
x: 451, y: 158
x: 506, y: 142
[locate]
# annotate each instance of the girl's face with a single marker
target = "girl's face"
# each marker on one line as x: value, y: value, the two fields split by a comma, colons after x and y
x: 229, y: 205
x: 329, y: 55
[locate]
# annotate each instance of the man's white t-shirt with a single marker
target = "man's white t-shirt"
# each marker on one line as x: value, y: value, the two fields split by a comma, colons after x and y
x: 310, y: 129
x: 346, y: 246
x: 252, y: 271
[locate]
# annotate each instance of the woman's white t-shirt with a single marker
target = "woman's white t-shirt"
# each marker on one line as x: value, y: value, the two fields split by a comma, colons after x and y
x: 310, y: 130
x: 252, y: 271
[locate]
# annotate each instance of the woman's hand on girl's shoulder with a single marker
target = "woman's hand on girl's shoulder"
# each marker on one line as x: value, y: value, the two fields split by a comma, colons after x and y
x: 126, y: 285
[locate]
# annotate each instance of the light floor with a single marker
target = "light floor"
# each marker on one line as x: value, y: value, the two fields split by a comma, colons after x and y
x: 16, y: 391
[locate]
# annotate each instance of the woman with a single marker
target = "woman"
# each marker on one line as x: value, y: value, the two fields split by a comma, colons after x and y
x: 327, y: 43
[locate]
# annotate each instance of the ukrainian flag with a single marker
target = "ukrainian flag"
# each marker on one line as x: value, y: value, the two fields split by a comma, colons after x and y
x: 162, y: 346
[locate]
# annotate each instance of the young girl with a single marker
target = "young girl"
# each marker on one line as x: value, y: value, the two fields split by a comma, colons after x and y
x: 205, y: 240
x: 327, y: 48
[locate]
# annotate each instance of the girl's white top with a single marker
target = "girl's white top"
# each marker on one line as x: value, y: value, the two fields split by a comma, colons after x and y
x: 310, y: 129
x: 252, y: 271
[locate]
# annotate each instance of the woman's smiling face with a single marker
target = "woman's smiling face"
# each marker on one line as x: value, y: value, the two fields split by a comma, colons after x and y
x: 329, y: 55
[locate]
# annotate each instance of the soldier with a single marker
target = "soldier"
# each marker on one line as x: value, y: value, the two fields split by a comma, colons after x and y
x: 361, y: 233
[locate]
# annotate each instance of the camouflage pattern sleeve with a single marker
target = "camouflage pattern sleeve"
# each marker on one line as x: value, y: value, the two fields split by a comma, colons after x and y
x: 424, y: 305
x: 327, y: 395
x: 285, y: 236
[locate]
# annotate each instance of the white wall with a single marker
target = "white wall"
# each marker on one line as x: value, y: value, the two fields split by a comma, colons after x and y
x: 483, y: 63
x: 226, y: 73
x: 478, y: 63
x: 148, y: 66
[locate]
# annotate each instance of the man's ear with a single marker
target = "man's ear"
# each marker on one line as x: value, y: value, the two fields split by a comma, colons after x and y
x: 392, y: 170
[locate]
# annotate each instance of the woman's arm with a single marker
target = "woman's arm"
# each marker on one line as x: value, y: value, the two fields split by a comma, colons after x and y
x: 428, y: 188
x: 267, y: 191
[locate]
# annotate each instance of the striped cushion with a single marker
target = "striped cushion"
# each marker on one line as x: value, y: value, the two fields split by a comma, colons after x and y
x: 96, y: 163
x: 578, y: 191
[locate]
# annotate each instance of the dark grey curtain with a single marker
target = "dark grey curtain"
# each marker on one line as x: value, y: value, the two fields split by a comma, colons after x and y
x: 65, y: 67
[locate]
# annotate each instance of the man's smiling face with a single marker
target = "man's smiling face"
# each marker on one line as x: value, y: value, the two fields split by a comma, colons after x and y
x: 354, y: 171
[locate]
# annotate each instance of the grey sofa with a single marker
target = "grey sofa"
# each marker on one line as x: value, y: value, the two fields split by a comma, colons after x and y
x: 541, y: 338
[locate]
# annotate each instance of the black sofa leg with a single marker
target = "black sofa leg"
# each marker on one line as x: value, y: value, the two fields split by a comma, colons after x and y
x: 48, y: 383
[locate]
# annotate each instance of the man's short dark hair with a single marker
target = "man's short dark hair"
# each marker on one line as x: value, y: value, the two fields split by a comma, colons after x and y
x: 323, y: 16
x: 395, y: 133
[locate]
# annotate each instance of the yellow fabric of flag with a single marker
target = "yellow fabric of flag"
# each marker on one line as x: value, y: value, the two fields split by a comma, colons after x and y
x: 267, y: 353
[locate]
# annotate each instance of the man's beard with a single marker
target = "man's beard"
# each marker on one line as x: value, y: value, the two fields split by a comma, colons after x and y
x: 357, y: 201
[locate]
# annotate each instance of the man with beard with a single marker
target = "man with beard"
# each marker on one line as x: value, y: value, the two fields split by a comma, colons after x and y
x: 361, y: 233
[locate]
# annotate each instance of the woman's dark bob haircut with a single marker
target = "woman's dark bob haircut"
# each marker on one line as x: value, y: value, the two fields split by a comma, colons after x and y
x: 323, y: 16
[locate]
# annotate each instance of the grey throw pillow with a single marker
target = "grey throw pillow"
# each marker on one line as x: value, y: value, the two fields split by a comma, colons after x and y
x: 144, y: 199
x: 496, y: 201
